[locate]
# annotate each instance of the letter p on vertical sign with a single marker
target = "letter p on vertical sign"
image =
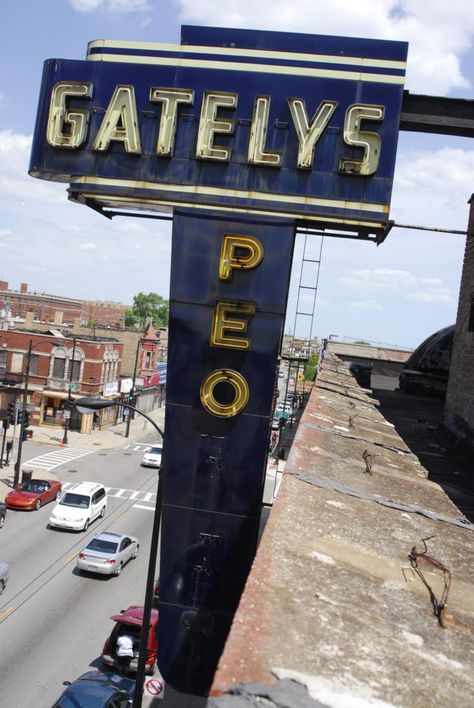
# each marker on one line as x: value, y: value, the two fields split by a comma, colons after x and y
x: 237, y: 251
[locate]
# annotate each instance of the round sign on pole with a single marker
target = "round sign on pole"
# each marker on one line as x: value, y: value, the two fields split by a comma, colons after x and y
x: 154, y: 687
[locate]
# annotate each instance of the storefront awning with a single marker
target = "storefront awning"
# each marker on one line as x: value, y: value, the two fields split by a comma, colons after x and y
x: 60, y: 394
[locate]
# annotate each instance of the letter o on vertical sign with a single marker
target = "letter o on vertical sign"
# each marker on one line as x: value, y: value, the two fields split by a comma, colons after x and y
x: 213, y: 405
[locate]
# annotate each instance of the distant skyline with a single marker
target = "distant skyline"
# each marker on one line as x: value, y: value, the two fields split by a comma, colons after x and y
x: 397, y: 293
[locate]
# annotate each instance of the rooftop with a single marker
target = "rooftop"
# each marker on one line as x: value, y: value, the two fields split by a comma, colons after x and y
x: 361, y: 590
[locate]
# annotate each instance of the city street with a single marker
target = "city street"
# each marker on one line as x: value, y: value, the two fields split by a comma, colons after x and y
x: 53, y: 621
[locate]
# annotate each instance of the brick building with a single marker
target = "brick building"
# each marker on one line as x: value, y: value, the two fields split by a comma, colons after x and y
x: 47, y: 308
x: 459, y: 412
x: 58, y: 363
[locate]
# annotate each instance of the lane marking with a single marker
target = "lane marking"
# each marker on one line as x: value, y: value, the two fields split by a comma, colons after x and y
x: 7, y: 611
x: 140, y: 506
x: 147, y: 497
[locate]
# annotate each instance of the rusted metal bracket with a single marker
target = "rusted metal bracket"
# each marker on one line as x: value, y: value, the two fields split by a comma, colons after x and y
x: 421, y: 557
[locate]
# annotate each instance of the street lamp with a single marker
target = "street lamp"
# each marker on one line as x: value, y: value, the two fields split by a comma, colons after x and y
x: 89, y: 405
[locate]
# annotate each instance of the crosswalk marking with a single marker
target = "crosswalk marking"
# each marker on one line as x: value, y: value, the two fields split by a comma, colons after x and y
x: 140, y: 506
x: 50, y: 460
x: 125, y: 494
x: 137, y: 446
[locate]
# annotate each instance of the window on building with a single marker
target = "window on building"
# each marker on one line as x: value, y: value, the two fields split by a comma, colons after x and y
x: 34, y: 359
x: 148, y: 358
x: 59, y: 367
x: 17, y: 363
x: 76, y: 370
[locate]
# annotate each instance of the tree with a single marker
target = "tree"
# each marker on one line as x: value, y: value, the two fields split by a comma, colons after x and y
x: 310, y: 368
x: 152, y: 306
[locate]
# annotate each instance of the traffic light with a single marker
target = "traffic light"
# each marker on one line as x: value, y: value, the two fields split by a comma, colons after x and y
x: 26, y: 419
x: 19, y: 417
x: 24, y: 435
x: 11, y: 412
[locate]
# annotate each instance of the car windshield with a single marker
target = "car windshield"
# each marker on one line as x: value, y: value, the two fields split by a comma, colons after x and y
x: 100, y: 544
x: 154, y: 451
x: 34, y: 487
x: 79, y: 500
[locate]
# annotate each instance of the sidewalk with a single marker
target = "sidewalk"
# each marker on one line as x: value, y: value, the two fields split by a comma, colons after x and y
x: 109, y: 438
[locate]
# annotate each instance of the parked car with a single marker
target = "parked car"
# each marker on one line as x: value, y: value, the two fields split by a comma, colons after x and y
x: 107, y: 553
x: 3, y: 513
x: 4, y: 575
x: 129, y: 622
x: 152, y: 456
x: 96, y: 689
x: 33, y: 494
x: 275, y: 423
x: 79, y: 506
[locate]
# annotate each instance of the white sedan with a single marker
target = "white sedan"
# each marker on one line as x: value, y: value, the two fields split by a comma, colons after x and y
x: 152, y: 456
x: 107, y: 553
x: 4, y: 573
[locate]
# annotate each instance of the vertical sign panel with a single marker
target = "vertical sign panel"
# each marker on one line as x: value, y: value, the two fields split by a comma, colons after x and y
x: 229, y: 284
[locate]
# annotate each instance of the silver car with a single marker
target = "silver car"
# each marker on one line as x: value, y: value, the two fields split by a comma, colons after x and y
x: 152, y: 456
x: 4, y: 574
x: 107, y: 553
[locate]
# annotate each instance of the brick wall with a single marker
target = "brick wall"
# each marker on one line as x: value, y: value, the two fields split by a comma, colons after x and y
x: 459, y: 412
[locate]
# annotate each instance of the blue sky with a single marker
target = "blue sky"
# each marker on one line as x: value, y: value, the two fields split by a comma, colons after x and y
x: 397, y: 293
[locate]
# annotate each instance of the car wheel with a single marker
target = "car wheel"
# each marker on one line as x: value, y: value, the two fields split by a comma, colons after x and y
x: 102, y: 513
x: 119, y: 568
x: 38, y: 505
x: 86, y: 525
x: 2, y: 586
x: 135, y: 553
x: 2, y: 521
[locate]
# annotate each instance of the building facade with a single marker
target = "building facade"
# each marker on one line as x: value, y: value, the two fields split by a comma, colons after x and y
x: 459, y: 411
x: 54, y: 367
x: 47, y: 308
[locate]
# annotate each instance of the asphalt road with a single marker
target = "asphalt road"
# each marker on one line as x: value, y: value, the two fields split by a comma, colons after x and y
x: 53, y: 621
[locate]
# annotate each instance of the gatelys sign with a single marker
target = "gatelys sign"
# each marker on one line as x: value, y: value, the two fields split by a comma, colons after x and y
x: 266, y: 123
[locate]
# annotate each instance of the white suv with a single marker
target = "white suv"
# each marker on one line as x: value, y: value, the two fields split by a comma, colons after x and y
x: 79, y: 505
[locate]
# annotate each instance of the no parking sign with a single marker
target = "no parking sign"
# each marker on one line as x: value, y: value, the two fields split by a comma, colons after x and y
x: 154, y: 687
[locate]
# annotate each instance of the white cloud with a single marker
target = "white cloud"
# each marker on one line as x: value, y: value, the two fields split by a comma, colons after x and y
x: 3, y: 100
x: 429, y: 297
x: 112, y: 6
x: 86, y: 5
x: 439, y: 34
x: 5, y: 232
x: 377, y: 279
x: 87, y: 246
x: 369, y: 305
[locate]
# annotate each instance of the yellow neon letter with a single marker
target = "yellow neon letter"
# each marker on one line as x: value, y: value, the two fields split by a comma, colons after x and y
x: 67, y: 128
x: 170, y: 98
x: 222, y: 324
x: 210, y: 124
x: 230, y: 257
x: 236, y: 381
x: 120, y: 122
x: 370, y: 142
x: 309, y: 133
x: 257, y: 155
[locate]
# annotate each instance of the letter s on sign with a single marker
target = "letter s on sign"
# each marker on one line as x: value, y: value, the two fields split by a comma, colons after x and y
x: 370, y: 142
x: 236, y: 381
x: 60, y: 117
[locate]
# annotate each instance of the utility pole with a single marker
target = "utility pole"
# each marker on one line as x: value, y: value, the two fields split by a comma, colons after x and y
x: 131, y: 395
x: 16, y: 478
x: 67, y: 412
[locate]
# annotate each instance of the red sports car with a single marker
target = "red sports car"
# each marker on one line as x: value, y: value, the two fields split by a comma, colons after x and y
x: 33, y: 494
